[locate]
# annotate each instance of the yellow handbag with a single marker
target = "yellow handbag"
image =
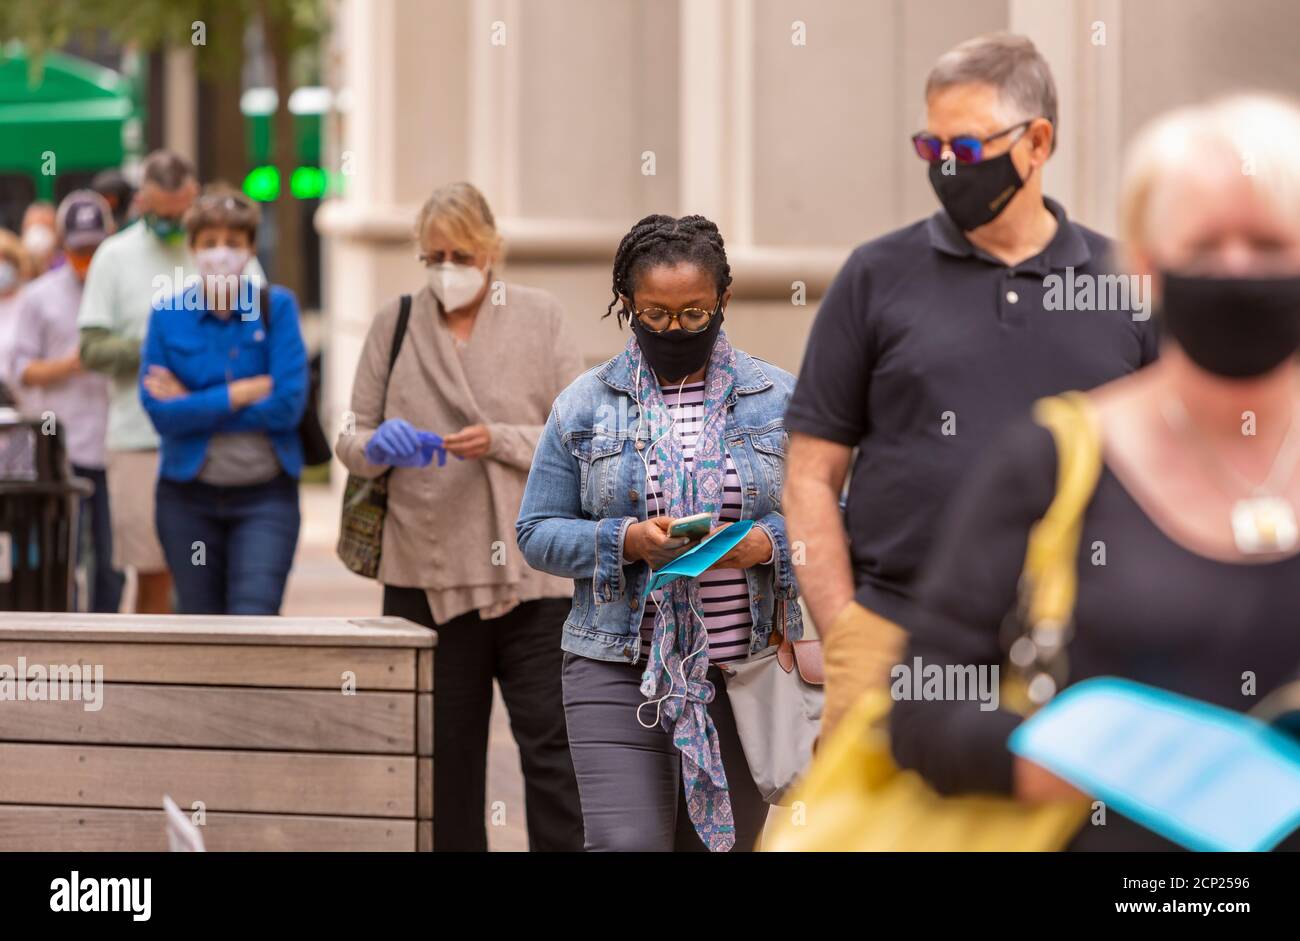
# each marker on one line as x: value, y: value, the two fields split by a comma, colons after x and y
x: 854, y: 798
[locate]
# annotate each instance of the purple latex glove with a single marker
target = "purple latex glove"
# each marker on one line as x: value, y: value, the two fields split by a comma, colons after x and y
x: 431, y: 444
x: 397, y: 443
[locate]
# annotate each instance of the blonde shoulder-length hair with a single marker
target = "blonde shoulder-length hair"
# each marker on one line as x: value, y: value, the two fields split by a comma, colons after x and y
x: 1254, y: 134
x: 463, y: 215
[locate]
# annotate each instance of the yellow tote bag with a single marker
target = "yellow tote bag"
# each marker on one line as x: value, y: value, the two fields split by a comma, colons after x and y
x: 854, y: 798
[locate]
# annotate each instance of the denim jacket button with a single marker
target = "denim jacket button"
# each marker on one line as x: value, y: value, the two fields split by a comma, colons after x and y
x: 631, y: 603
x: 640, y: 445
x: 631, y: 494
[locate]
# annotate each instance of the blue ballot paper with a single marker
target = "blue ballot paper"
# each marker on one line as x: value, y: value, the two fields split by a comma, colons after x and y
x: 693, y: 563
x: 1202, y: 776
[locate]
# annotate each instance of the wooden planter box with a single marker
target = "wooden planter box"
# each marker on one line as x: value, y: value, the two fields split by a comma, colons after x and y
x: 245, y: 715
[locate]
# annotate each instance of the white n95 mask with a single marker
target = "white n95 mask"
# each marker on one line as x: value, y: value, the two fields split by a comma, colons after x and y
x: 455, y: 285
x: 221, y: 261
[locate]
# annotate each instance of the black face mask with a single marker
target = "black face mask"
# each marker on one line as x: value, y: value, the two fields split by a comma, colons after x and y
x: 978, y: 192
x: 675, y: 354
x: 1233, y: 327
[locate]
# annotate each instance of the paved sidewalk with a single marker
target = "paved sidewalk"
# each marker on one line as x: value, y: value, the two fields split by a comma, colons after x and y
x: 320, y: 586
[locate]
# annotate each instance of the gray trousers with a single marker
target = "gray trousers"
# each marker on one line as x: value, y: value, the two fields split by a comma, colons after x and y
x: 629, y: 777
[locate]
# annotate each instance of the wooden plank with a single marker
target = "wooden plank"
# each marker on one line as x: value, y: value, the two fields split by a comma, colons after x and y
x: 424, y: 836
x: 30, y: 829
x: 424, y: 724
x: 424, y: 788
x: 261, y: 782
x: 221, y: 717
x: 424, y: 670
x: 225, y: 664
x: 215, y: 629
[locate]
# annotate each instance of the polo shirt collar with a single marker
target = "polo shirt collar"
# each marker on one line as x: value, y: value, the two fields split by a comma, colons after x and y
x: 1068, y: 249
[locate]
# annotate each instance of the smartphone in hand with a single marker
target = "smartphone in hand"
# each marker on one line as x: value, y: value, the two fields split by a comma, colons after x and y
x: 694, y: 527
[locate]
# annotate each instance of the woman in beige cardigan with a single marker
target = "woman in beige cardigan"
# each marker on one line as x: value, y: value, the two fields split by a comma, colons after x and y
x: 478, y: 367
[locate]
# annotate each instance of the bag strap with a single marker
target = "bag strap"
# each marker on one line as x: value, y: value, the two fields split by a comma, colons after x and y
x: 264, y: 306
x: 1049, y: 578
x: 399, y: 334
x: 1052, y: 552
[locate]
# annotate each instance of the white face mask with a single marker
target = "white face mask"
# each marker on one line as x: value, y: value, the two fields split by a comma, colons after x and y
x: 39, y: 240
x: 455, y: 285
x: 219, y: 266
x: 8, y: 276
x: 221, y: 260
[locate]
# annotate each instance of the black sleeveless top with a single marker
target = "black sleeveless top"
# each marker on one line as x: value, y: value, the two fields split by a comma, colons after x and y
x: 1147, y: 609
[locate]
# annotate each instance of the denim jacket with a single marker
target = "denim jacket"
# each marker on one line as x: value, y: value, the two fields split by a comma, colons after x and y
x: 587, y: 486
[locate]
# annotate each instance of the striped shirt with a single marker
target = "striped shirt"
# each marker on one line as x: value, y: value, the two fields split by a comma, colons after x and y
x: 724, y: 593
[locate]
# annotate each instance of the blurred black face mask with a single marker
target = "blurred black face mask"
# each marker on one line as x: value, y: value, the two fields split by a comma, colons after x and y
x: 675, y: 354
x: 1233, y: 327
x: 978, y: 192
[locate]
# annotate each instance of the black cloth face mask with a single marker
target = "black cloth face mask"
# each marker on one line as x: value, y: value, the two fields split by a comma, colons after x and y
x: 978, y: 192
x: 1233, y: 327
x: 675, y: 354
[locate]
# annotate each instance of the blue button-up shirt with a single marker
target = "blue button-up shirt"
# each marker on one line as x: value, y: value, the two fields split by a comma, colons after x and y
x: 206, y: 353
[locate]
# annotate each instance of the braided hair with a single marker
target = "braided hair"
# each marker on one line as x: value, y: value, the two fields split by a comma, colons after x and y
x: 662, y: 240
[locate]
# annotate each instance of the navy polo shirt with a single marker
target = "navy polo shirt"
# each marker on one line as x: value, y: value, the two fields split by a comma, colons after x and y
x: 923, y: 349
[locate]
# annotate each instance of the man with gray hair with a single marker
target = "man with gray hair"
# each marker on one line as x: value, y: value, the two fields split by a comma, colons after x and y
x: 928, y: 342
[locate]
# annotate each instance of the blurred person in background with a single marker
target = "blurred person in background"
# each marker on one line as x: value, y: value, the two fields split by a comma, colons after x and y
x: 224, y: 382
x: 677, y: 424
x: 132, y: 269
x: 930, y: 340
x: 15, y: 271
x: 476, y: 371
x: 40, y: 238
x: 118, y: 192
x: 47, y: 364
x: 1196, y: 507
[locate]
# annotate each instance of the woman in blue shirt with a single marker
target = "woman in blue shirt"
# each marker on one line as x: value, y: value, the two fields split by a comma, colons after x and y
x: 223, y: 376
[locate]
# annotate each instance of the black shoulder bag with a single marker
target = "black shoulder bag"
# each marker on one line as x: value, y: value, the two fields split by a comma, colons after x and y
x: 315, y: 446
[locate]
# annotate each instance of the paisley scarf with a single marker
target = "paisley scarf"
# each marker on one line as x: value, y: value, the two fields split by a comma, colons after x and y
x: 675, y: 677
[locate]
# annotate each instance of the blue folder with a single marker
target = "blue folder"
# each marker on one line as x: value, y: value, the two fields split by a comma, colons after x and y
x: 1202, y: 776
x: 692, y: 564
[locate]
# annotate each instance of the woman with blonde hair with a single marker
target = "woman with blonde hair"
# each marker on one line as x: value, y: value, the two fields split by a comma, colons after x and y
x: 468, y: 367
x: 1196, y: 504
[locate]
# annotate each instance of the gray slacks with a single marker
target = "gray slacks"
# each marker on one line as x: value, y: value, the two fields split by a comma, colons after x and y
x: 629, y: 777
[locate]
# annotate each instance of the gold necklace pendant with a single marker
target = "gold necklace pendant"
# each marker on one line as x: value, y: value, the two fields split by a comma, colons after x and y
x: 1264, y: 524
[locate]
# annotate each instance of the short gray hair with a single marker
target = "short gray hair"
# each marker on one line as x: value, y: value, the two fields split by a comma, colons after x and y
x: 167, y: 170
x: 1011, y: 64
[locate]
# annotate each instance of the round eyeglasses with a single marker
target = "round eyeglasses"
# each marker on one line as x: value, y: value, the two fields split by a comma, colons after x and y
x: 690, y: 319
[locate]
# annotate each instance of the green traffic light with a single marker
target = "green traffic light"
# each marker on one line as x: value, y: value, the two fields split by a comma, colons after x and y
x: 307, y: 183
x: 262, y: 184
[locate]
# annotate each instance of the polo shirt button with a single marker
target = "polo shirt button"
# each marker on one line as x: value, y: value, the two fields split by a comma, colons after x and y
x: 1012, y: 297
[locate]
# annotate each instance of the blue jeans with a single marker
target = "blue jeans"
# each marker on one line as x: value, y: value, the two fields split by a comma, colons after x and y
x: 229, y: 548
x: 105, y: 582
